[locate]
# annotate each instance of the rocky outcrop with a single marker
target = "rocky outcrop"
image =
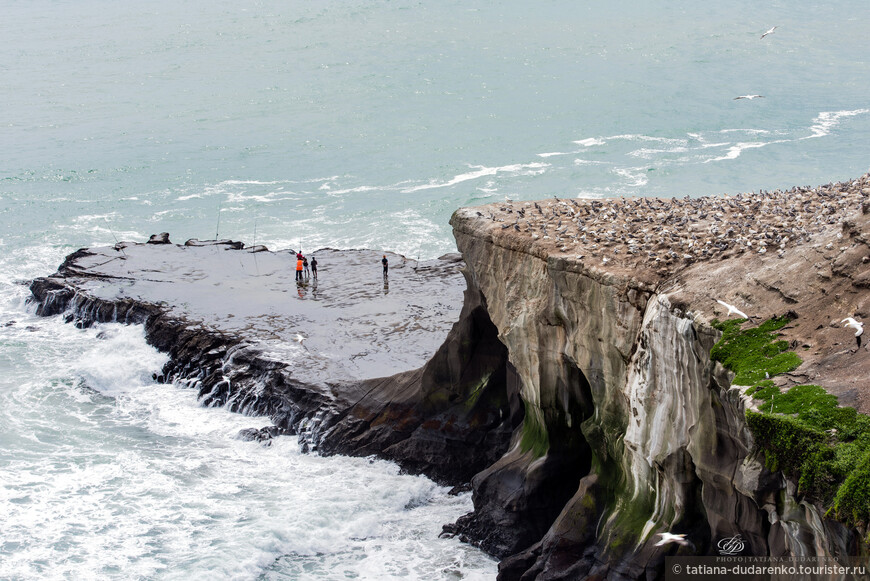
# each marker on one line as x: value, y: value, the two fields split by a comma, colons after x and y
x: 574, y: 390
x: 630, y: 429
x: 307, y: 355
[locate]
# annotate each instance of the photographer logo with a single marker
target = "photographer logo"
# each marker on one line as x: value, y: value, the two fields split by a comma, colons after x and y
x: 731, y: 545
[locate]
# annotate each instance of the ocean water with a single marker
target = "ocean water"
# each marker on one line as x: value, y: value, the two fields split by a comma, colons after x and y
x: 346, y: 124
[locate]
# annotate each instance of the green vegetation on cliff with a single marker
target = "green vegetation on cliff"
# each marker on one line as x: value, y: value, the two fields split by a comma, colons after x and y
x: 803, y: 431
x: 535, y: 437
x: 753, y: 354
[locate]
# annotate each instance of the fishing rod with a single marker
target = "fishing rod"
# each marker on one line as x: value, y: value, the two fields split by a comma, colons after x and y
x: 117, y: 242
x: 218, y: 227
x: 254, y: 247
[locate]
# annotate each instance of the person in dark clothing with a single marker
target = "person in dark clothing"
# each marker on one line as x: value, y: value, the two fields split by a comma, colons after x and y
x: 305, y: 267
x: 386, y: 264
x: 314, y: 266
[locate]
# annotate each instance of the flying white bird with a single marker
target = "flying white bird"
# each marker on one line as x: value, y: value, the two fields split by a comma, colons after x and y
x: 667, y: 538
x: 299, y: 338
x: 750, y: 97
x: 733, y: 310
x: 857, y: 325
x: 769, y: 32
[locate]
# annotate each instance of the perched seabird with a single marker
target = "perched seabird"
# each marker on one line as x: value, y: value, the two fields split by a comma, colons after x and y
x: 733, y: 310
x: 750, y: 97
x: 769, y: 32
x: 667, y: 538
x: 857, y: 325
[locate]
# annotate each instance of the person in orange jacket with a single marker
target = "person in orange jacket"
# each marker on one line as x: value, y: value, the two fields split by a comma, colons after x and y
x: 299, y: 266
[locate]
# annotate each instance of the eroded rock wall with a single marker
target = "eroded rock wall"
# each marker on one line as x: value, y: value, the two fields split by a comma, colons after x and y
x: 448, y: 419
x: 630, y: 429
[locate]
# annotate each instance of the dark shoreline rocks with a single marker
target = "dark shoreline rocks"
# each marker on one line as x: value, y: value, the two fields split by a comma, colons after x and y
x: 448, y: 419
x: 577, y: 397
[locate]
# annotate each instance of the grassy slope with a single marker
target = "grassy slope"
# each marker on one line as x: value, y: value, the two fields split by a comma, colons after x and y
x: 803, y: 431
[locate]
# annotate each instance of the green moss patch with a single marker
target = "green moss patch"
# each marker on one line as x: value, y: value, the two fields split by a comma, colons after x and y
x: 535, y: 437
x: 803, y: 432
x: 753, y: 354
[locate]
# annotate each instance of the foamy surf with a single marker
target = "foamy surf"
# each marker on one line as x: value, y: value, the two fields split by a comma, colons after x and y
x: 124, y: 477
x: 483, y: 171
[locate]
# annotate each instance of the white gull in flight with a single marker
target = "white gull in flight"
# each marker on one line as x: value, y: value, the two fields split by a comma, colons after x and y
x: 769, y: 32
x: 732, y: 310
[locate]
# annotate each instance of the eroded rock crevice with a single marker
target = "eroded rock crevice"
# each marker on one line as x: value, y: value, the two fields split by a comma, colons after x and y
x: 665, y: 446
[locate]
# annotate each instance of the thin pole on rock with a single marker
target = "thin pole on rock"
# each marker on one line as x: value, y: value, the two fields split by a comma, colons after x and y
x: 117, y: 243
x: 254, y: 247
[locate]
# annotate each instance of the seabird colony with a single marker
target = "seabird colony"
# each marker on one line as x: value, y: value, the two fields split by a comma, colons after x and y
x: 668, y: 233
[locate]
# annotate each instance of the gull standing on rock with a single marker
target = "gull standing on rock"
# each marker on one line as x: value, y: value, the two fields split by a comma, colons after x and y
x: 732, y: 309
x: 857, y: 325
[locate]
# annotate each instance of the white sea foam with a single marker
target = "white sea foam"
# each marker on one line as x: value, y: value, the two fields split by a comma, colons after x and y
x: 639, y: 137
x: 480, y: 171
x: 633, y: 177
x: 738, y: 148
x: 650, y: 153
x: 826, y: 121
x: 357, y: 190
x: 251, y: 183
x: 127, y: 478
x: 747, y: 131
x: 579, y: 161
x: 590, y: 141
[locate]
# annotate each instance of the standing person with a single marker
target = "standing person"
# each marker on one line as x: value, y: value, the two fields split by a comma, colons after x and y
x: 298, y: 267
x: 305, y: 266
x: 314, y: 266
x: 386, y: 264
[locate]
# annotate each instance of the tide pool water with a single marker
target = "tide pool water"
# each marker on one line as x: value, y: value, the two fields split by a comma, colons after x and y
x: 347, y: 124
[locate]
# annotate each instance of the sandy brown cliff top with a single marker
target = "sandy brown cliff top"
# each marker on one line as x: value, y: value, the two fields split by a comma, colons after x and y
x: 804, y: 250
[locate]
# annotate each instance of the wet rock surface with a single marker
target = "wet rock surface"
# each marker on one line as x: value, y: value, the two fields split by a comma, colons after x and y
x: 335, y: 359
x: 349, y: 323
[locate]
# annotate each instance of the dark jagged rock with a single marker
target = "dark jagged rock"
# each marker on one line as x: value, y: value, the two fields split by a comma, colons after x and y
x: 264, y: 435
x: 576, y: 393
x: 162, y: 238
x: 335, y: 360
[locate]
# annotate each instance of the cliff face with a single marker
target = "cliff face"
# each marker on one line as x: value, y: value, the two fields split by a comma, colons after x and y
x: 630, y: 429
x: 576, y: 390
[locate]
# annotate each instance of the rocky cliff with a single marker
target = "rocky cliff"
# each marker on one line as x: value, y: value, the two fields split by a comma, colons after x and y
x: 576, y: 390
x: 631, y: 429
